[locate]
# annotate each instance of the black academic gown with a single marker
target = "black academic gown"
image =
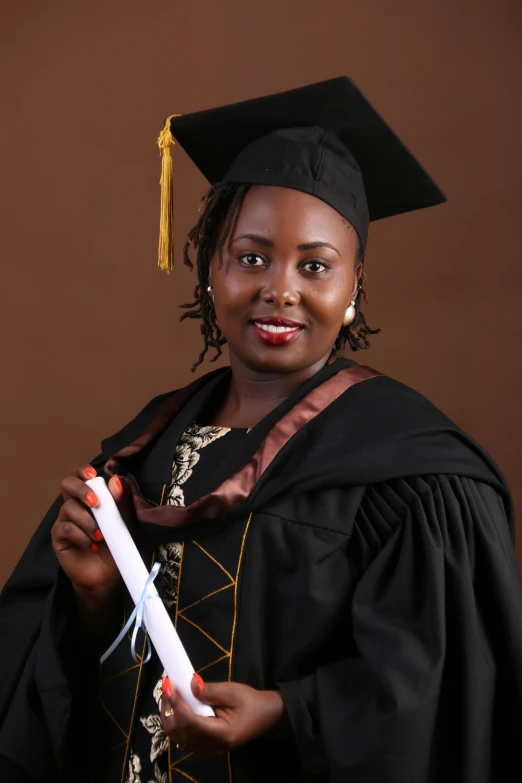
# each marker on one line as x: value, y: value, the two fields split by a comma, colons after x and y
x: 377, y: 588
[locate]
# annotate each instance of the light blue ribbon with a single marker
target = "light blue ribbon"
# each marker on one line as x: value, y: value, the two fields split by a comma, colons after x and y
x: 137, y: 615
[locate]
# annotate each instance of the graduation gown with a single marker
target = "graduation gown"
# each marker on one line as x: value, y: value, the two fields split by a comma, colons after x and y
x: 375, y: 586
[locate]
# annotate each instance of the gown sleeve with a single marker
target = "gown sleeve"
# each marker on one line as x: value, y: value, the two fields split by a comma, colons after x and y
x: 434, y: 691
x: 43, y: 653
x: 52, y: 669
x: 35, y: 627
x: 21, y: 604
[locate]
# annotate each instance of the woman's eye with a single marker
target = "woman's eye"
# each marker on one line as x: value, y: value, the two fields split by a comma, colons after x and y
x: 251, y: 259
x: 314, y: 266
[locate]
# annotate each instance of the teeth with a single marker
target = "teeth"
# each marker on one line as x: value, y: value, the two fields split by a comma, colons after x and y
x: 275, y: 329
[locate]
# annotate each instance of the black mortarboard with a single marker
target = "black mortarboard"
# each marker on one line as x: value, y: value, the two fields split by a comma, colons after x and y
x: 324, y: 139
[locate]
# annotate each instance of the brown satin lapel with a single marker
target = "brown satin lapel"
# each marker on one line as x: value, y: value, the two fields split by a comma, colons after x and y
x: 238, y: 487
x: 306, y: 410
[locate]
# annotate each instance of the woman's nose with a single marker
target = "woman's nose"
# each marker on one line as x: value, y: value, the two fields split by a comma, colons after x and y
x: 280, y: 292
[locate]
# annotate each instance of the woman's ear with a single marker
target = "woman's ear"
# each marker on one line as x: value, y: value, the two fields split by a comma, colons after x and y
x: 358, y: 280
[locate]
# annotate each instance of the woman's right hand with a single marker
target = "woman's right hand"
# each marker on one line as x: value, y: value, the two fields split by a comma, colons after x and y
x: 77, y: 540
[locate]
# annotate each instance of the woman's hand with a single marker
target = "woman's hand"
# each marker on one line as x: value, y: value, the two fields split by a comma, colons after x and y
x: 77, y: 540
x: 242, y: 714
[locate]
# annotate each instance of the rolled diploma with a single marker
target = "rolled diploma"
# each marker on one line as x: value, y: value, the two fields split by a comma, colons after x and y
x: 159, y: 626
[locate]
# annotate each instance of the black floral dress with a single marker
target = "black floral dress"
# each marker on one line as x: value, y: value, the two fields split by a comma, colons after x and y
x: 149, y: 756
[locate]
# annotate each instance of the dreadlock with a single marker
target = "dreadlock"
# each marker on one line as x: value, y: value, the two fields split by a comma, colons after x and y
x: 219, y: 206
x: 357, y: 334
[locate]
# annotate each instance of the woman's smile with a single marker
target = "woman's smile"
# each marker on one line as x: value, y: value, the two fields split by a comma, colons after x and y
x: 277, y: 331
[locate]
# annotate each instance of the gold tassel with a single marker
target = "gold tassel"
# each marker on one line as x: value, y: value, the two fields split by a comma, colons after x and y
x: 166, y: 233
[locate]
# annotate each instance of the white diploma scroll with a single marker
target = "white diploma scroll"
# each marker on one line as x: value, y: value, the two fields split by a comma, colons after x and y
x: 159, y: 626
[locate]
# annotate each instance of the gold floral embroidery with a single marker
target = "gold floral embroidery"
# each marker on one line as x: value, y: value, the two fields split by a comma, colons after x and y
x: 159, y: 776
x: 159, y: 739
x: 168, y: 578
x: 133, y: 770
x: 186, y: 457
x: 157, y: 689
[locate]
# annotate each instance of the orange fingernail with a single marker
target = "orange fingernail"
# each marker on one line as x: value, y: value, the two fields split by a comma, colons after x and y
x: 118, y: 483
x: 91, y: 499
x: 98, y: 535
x: 90, y: 472
x: 95, y: 548
x: 199, y: 679
x: 166, y: 687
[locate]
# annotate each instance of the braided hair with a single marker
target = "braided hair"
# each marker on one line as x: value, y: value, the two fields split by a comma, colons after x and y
x: 219, y: 208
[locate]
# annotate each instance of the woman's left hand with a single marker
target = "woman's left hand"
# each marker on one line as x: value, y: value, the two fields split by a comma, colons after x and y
x: 242, y: 714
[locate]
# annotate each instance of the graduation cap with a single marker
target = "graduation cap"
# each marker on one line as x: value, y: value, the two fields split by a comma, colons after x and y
x: 324, y: 139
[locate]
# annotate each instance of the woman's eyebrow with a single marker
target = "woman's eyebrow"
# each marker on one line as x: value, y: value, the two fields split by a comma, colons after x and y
x: 319, y: 243
x: 261, y: 240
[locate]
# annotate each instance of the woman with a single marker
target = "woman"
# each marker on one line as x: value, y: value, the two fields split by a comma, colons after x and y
x: 336, y: 554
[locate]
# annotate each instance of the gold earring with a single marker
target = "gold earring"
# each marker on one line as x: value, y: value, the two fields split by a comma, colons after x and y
x: 349, y: 315
x: 209, y: 292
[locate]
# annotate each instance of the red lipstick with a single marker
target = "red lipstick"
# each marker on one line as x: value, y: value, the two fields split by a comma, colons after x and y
x: 274, y: 330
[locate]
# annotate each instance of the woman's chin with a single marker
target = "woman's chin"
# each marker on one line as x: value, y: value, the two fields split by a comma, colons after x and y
x: 280, y: 359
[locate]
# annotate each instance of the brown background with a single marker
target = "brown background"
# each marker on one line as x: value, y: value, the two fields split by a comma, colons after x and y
x: 89, y: 327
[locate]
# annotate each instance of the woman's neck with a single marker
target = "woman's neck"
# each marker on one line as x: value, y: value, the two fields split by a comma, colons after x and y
x: 252, y: 395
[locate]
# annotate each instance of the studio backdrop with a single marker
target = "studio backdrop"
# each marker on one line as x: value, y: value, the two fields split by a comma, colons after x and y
x: 89, y: 325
